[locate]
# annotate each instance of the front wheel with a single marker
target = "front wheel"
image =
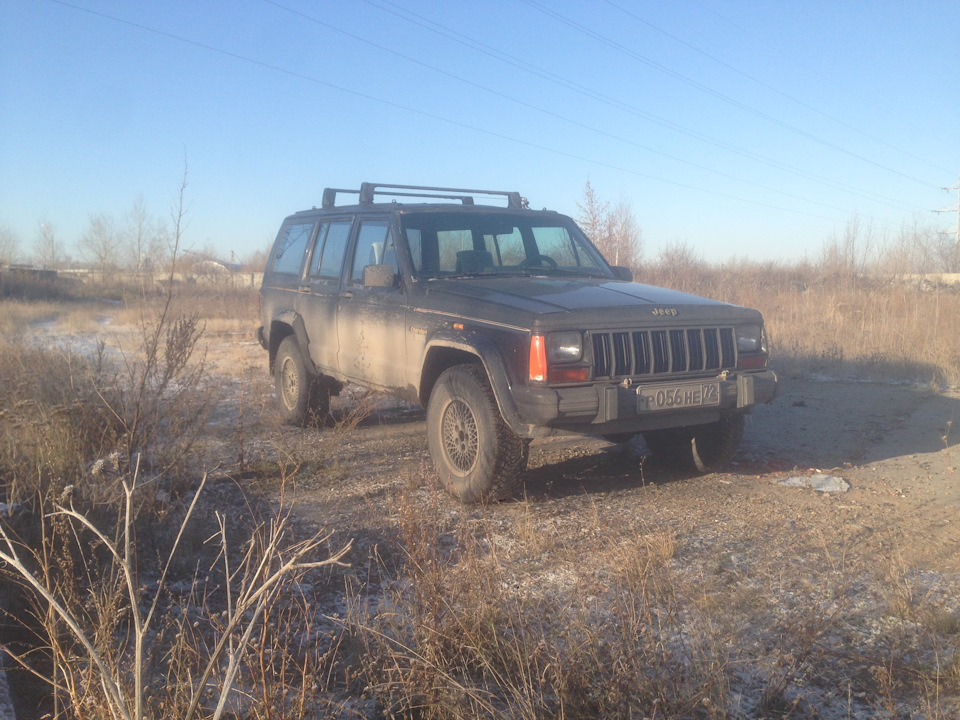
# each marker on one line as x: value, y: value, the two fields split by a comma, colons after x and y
x: 476, y: 455
x: 704, y: 448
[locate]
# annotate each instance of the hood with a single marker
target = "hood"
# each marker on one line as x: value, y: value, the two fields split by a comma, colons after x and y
x: 554, y: 302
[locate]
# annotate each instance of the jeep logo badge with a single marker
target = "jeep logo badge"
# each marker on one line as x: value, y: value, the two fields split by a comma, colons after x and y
x: 665, y: 311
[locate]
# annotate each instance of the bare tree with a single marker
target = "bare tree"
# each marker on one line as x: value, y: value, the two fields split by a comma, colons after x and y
x: 625, y: 244
x: 48, y: 249
x: 849, y: 256
x: 594, y: 217
x: 100, y: 243
x: 143, y: 239
x: 678, y: 266
x: 613, y: 230
x: 256, y: 260
x: 942, y: 252
x: 9, y: 245
x: 178, y: 225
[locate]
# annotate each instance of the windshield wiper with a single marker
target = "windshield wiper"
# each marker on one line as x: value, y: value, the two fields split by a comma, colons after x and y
x: 462, y: 275
x: 574, y: 272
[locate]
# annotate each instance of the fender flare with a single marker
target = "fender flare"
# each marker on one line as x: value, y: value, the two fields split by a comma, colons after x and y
x: 295, y: 321
x: 494, y: 366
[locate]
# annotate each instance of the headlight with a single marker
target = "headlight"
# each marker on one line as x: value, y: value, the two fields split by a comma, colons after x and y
x: 749, y: 338
x: 564, y: 347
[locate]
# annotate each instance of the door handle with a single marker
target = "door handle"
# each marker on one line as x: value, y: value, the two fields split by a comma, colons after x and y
x: 346, y: 294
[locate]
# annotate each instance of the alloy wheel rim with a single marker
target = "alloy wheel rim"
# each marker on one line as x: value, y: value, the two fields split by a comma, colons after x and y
x: 290, y: 383
x: 460, y: 437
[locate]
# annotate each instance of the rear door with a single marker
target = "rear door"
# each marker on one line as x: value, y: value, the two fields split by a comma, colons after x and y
x: 284, y: 271
x: 320, y: 290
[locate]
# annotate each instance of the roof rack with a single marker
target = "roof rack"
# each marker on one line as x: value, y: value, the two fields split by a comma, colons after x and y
x: 367, y: 192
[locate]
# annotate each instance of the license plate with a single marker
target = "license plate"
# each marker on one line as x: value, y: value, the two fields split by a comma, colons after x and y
x: 674, y: 396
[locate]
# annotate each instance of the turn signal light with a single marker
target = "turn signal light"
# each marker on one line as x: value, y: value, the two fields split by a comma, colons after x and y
x: 569, y: 374
x: 538, y: 359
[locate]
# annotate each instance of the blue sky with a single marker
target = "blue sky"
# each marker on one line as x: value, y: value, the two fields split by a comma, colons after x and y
x: 742, y: 128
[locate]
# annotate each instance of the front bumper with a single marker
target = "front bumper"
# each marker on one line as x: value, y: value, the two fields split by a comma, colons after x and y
x: 605, y: 408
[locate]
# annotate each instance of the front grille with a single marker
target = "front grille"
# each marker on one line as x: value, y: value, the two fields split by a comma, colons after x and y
x: 631, y: 353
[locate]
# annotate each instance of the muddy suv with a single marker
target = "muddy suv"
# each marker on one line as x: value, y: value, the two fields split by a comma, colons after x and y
x: 506, y: 324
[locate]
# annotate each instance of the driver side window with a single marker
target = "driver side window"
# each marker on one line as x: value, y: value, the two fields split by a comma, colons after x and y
x: 374, y: 247
x: 507, y: 249
x: 556, y: 243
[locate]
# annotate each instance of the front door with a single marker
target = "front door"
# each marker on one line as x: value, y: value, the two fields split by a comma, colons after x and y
x: 371, y: 320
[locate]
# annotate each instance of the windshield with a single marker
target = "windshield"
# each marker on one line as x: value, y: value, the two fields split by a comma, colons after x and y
x: 444, y: 244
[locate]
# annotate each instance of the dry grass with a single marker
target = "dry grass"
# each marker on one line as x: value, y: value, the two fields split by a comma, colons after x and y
x: 94, y: 452
x: 817, y: 322
x: 115, y: 638
x: 869, y: 327
x: 52, y: 423
x: 639, y: 622
x: 890, y: 331
x: 81, y: 309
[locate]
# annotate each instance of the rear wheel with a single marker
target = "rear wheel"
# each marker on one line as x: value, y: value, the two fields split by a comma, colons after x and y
x: 476, y: 455
x: 704, y: 448
x: 303, y: 398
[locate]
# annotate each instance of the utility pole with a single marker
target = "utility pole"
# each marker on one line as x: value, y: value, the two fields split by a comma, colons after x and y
x: 954, y: 209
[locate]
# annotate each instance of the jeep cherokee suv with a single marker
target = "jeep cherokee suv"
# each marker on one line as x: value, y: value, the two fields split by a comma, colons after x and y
x: 506, y: 324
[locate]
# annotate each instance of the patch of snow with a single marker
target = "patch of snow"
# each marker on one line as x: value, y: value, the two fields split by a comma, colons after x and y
x: 820, y: 483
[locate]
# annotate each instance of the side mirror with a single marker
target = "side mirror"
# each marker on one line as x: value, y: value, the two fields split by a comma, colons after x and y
x: 623, y: 273
x: 379, y: 276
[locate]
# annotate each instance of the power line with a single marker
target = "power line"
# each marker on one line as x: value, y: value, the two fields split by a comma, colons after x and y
x: 861, y: 100
x: 433, y: 116
x: 708, y: 90
x: 770, y: 87
x: 549, y: 113
x: 467, y: 41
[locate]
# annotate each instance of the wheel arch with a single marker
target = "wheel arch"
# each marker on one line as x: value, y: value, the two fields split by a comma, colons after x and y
x: 284, y: 325
x: 438, y: 358
x: 448, y: 350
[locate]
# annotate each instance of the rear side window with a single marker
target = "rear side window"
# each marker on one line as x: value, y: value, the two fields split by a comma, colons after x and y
x: 291, y: 248
x: 331, y: 244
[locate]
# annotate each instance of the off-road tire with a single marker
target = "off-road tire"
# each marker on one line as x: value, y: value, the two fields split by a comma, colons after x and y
x: 304, y: 400
x: 476, y: 455
x: 701, y: 448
